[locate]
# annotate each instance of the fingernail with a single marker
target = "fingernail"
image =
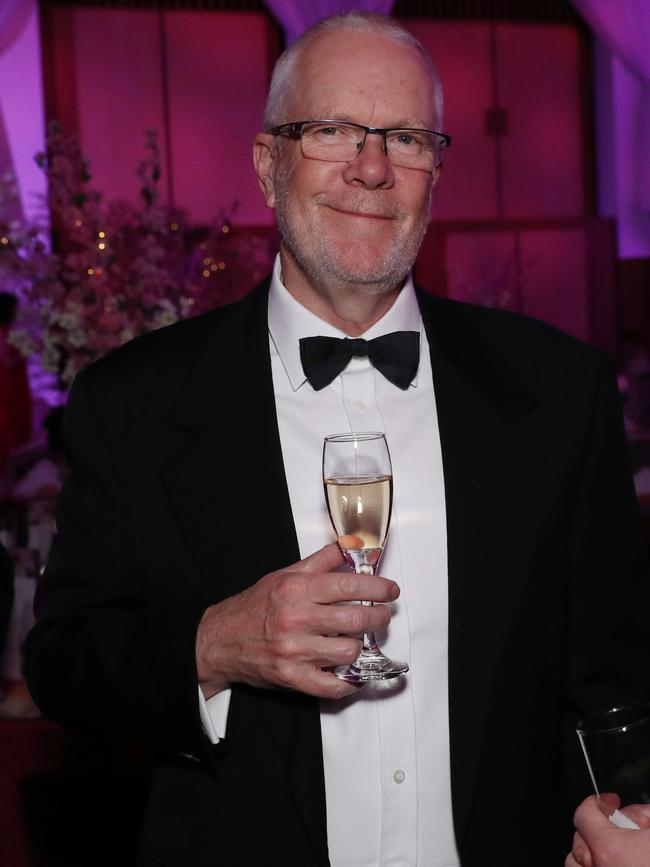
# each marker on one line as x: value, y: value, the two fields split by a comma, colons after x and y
x: 394, y: 591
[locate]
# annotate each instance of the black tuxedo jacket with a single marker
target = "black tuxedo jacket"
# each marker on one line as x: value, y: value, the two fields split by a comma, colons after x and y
x: 177, y: 498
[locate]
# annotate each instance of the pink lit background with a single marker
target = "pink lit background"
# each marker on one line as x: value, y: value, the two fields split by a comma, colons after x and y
x: 544, y: 205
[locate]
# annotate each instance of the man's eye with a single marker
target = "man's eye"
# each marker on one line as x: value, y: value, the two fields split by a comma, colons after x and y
x: 406, y: 139
x: 328, y: 131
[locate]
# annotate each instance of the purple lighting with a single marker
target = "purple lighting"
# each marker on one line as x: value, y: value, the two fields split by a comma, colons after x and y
x: 21, y: 102
x: 623, y: 116
x: 296, y: 16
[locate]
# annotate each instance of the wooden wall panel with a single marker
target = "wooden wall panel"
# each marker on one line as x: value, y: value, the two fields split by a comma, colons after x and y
x: 461, y: 54
x: 482, y: 268
x: 554, y: 274
x: 198, y: 78
x: 119, y: 93
x: 558, y: 270
x: 534, y: 72
x: 218, y: 77
x: 539, y: 83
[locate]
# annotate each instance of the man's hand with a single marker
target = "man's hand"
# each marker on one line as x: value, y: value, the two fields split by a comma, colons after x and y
x: 284, y: 629
x: 599, y: 843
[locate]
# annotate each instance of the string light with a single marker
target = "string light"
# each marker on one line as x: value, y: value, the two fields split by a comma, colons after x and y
x: 206, y: 273
x: 90, y: 271
x: 214, y: 267
x: 222, y: 266
x: 102, y: 246
x: 207, y: 261
x: 173, y: 226
x: 101, y: 234
x: 225, y: 229
x: 77, y: 223
x: 4, y: 240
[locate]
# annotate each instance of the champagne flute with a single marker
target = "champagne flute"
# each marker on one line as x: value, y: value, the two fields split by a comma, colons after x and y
x: 358, y: 481
x: 616, y: 747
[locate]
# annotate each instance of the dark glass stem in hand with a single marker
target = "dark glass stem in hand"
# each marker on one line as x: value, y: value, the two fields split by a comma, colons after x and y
x: 358, y: 480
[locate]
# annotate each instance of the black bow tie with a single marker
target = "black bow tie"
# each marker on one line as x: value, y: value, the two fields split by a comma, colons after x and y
x: 394, y: 355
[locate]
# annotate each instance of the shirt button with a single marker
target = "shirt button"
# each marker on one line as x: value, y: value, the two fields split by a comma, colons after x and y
x: 399, y: 776
x: 361, y: 404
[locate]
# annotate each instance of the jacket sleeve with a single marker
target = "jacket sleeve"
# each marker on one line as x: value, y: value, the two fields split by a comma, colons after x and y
x: 101, y: 655
x: 608, y: 660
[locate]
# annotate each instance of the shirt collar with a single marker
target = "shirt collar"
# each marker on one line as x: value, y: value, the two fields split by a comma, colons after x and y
x: 289, y: 321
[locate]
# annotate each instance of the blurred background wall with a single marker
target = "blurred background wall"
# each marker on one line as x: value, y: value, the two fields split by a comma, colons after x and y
x: 535, y: 210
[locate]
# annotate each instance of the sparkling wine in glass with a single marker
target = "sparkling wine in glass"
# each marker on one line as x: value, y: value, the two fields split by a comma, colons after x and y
x: 358, y: 481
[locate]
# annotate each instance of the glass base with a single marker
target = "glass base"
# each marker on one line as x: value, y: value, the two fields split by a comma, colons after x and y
x: 371, y: 669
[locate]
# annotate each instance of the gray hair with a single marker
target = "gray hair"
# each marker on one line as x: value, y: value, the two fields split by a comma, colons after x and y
x: 285, y: 73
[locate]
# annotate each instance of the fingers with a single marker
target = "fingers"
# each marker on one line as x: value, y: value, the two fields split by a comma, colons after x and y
x: 351, y: 587
x: 325, y: 684
x: 350, y: 619
x: 285, y: 625
x: 283, y: 630
x: 328, y: 586
x: 325, y: 560
x: 607, y: 803
x: 298, y: 605
x: 301, y: 668
x: 345, y: 620
x: 589, y: 817
x: 580, y: 853
x: 639, y: 813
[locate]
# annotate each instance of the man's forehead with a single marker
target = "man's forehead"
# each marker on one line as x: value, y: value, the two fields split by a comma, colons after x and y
x: 397, y: 122
x: 343, y: 72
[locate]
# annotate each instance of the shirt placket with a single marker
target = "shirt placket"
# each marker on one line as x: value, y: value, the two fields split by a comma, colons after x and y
x: 398, y: 826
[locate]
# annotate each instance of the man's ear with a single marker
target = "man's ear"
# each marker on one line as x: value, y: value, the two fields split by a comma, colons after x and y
x: 264, y: 161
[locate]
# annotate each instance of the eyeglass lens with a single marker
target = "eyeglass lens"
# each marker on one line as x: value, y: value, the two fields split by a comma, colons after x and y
x: 342, y: 142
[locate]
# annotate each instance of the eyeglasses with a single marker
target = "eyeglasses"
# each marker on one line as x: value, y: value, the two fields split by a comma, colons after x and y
x: 337, y: 141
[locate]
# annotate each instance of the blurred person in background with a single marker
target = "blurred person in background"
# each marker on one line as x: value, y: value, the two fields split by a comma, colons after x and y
x: 15, y: 399
x: 6, y: 594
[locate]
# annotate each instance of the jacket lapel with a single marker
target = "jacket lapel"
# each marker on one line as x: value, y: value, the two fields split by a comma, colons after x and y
x: 228, y: 491
x: 486, y: 416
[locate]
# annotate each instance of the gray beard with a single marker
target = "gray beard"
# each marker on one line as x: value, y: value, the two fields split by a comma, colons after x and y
x: 316, y: 254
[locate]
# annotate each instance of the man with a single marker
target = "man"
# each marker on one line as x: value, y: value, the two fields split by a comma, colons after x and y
x: 518, y: 580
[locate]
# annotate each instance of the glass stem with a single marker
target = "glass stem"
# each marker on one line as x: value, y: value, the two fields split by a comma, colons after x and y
x: 369, y: 649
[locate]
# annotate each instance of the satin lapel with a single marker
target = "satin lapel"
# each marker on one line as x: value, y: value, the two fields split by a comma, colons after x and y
x: 228, y: 491
x: 486, y: 417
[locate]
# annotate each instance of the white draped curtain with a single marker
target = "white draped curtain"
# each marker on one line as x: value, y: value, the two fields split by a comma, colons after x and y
x: 21, y: 102
x: 296, y: 16
x: 14, y: 15
x: 623, y: 27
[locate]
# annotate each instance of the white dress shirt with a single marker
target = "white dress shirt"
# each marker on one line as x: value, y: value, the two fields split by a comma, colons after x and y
x: 385, y: 748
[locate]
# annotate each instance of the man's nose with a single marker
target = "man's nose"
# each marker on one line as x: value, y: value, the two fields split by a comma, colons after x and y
x: 371, y: 167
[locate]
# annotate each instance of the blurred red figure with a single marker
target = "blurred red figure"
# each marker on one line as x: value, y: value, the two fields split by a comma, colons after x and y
x: 15, y: 399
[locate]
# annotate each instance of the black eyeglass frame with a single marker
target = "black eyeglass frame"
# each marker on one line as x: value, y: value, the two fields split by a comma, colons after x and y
x: 294, y: 130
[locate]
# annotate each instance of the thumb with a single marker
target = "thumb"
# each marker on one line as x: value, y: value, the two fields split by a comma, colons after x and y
x: 325, y: 560
x: 608, y: 802
x: 590, y: 817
